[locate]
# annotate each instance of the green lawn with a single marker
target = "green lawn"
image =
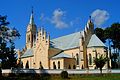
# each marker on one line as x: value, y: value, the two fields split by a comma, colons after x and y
x: 90, y: 77
x: 71, y: 77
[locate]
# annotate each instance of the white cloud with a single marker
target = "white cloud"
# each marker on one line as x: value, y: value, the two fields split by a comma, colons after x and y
x: 44, y: 19
x: 99, y: 17
x: 58, y: 19
x: 75, y: 22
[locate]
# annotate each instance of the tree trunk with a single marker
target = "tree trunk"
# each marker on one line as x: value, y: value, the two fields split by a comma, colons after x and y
x: 101, y: 71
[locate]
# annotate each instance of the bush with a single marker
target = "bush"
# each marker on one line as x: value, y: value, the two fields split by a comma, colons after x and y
x: 64, y: 74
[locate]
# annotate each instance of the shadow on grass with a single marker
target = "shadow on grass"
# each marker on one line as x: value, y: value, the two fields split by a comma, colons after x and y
x: 44, y: 75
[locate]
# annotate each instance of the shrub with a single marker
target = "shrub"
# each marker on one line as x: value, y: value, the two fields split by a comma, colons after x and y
x: 64, y: 74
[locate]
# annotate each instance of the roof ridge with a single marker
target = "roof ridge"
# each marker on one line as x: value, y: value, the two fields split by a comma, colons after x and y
x: 65, y: 35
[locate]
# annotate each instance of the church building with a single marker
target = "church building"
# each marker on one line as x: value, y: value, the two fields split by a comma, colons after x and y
x: 74, y: 51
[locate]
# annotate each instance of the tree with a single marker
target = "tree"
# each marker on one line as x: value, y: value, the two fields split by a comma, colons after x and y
x: 114, y: 60
x: 107, y: 35
x: 112, y: 35
x: 100, y: 33
x: 100, y: 62
x: 7, y: 47
x: 115, y: 36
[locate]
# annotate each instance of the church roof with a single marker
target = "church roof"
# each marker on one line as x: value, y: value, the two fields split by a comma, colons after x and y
x: 28, y: 53
x: 67, y: 41
x: 61, y: 55
x: 95, y: 42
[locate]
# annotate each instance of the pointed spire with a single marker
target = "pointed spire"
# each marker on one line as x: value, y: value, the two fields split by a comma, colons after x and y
x: 31, y: 17
x: 90, y: 20
x: 48, y: 37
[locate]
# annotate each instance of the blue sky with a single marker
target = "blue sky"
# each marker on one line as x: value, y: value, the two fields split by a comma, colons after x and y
x: 59, y: 17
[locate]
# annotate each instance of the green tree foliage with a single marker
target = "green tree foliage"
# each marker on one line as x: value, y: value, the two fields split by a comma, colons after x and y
x: 7, y: 47
x: 114, y: 60
x: 100, y: 62
x: 100, y: 33
x: 112, y: 35
x: 115, y: 35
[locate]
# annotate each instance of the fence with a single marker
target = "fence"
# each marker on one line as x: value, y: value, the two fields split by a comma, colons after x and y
x: 53, y: 71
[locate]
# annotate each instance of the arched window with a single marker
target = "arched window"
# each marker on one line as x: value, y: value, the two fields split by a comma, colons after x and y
x: 74, y: 67
x: 54, y: 66
x: 32, y: 38
x: 82, y: 67
x: 28, y: 38
x: 41, y: 67
x: 58, y: 64
x: 69, y: 67
x: 27, y: 64
x: 77, y: 58
x: 90, y: 59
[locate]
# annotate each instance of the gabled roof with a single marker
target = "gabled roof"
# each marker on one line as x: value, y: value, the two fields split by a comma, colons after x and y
x: 95, y: 42
x: 28, y: 53
x: 66, y: 42
x: 61, y: 55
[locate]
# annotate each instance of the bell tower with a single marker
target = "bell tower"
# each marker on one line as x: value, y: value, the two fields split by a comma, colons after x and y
x: 88, y: 32
x: 31, y: 32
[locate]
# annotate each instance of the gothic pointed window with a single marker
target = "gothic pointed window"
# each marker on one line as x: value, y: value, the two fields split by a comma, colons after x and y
x: 41, y: 67
x: 54, y: 66
x: 90, y: 59
x: 32, y: 38
x: 69, y: 67
x: 28, y: 38
x: 82, y: 67
x: 27, y: 64
x: 74, y: 67
x: 77, y: 58
x: 58, y: 64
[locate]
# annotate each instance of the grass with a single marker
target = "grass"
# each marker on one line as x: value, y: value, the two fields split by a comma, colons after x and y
x: 90, y: 77
x: 57, y: 77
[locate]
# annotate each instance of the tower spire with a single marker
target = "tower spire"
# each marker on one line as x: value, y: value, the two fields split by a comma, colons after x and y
x: 31, y: 17
x: 90, y: 19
